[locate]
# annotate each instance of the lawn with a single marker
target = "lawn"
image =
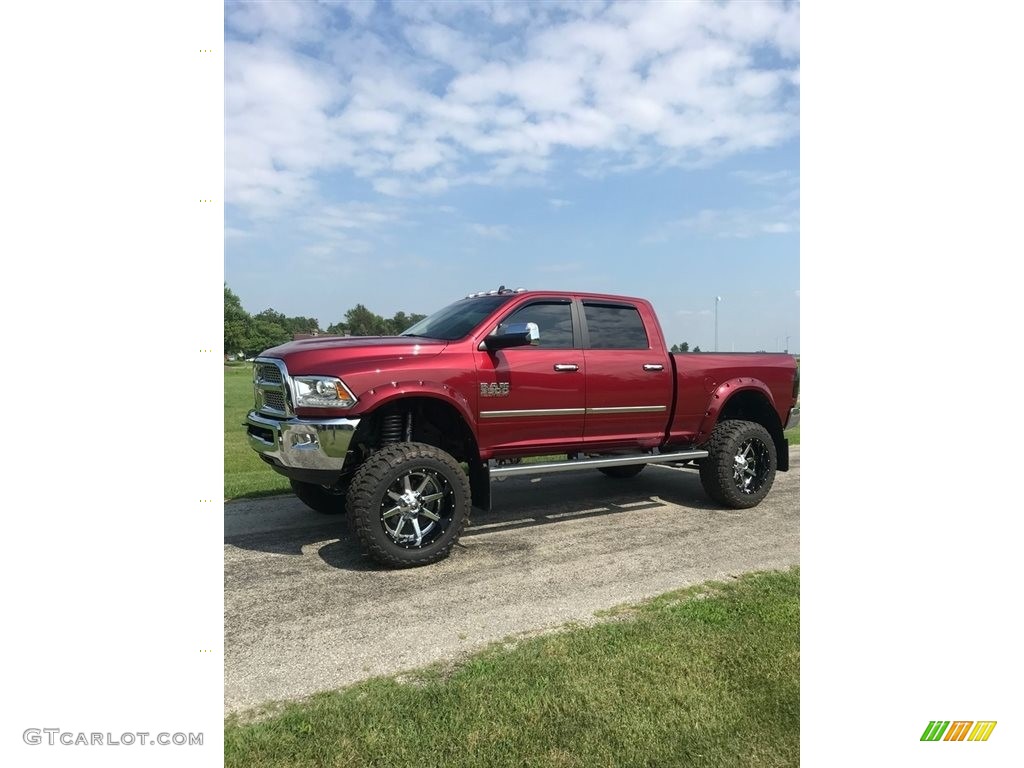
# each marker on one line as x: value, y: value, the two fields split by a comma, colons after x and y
x: 707, y: 676
x: 702, y: 677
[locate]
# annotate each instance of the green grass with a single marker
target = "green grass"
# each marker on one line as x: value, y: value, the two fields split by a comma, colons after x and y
x: 245, y: 474
x: 702, y: 677
x: 793, y: 435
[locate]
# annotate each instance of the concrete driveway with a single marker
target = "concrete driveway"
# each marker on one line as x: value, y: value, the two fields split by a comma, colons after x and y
x: 306, y: 611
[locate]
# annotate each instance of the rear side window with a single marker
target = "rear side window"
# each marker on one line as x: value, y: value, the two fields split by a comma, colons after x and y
x: 554, y: 321
x: 615, y: 327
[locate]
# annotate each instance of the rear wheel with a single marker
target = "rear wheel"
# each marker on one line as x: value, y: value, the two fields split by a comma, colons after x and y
x: 740, y: 468
x: 630, y: 470
x: 326, y: 501
x: 409, y: 503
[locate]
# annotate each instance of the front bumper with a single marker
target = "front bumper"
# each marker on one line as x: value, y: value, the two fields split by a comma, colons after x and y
x: 794, y: 417
x: 301, y: 444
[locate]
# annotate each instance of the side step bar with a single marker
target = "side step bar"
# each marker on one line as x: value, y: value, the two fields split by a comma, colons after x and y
x: 508, y: 470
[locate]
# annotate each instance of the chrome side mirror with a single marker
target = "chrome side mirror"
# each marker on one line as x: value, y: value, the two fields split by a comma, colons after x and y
x: 514, y: 335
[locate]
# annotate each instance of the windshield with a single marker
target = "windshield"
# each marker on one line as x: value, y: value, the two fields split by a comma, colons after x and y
x: 456, y: 320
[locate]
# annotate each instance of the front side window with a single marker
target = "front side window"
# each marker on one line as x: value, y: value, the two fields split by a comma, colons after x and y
x: 615, y: 327
x: 553, y: 320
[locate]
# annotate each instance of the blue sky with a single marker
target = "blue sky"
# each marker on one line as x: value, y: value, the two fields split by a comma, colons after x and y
x: 404, y: 155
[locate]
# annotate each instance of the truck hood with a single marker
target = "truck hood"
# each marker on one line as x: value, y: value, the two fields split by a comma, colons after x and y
x: 322, y: 354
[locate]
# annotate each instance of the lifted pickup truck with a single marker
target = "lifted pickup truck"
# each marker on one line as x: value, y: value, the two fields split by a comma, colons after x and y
x: 406, y: 432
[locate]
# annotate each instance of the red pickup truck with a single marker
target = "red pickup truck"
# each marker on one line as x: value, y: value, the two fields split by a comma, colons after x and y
x: 405, y: 432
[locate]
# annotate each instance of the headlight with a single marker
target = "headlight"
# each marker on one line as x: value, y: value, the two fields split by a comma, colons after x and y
x: 322, y: 392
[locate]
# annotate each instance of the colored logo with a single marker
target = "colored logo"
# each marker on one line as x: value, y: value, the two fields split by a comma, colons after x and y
x: 958, y: 730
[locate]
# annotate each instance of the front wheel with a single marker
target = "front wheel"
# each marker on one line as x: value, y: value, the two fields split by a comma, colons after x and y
x: 409, y: 503
x: 740, y: 467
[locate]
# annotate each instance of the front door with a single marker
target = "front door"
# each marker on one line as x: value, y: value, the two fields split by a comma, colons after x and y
x: 533, y: 396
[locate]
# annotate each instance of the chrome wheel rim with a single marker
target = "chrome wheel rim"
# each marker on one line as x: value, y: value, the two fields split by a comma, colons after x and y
x: 417, y: 508
x: 751, y: 465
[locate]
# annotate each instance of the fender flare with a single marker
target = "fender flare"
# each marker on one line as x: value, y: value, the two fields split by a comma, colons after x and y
x: 723, y: 393
x: 373, y: 399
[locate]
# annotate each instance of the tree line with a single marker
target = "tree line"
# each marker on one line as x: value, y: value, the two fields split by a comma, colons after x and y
x: 251, y: 334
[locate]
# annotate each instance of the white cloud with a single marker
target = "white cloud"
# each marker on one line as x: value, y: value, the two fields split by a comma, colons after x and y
x: 778, y: 219
x: 359, y: 10
x: 495, y: 231
x: 377, y: 121
x: 418, y: 157
x: 444, y: 94
x: 405, y: 187
x: 444, y: 44
x: 234, y: 233
x: 354, y: 215
x: 767, y: 178
x: 332, y: 229
x: 740, y: 222
x: 288, y: 21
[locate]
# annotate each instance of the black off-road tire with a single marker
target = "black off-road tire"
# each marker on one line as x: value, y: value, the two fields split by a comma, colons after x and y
x: 623, y: 472
x: 722, y: 476
x: 320, y: 499
x: 368, y: 493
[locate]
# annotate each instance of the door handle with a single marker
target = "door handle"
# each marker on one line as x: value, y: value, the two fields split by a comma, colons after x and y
x: 653, y: 367
x: 566, y: 367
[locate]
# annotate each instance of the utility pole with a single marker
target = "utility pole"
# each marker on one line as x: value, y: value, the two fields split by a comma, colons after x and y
x: 717, y: 299
x: 787, y: 345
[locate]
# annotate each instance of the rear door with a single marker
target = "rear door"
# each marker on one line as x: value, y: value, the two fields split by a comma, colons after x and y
x: 533, y: 396
x: 629, y: 378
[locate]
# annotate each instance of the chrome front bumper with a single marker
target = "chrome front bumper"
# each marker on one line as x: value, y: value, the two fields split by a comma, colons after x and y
x: 794, y: 417
x: 306, y: 444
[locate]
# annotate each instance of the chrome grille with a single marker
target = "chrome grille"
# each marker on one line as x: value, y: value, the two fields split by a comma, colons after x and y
x: 268, y: 373
x: 274, y: 400
x: 270, y: 379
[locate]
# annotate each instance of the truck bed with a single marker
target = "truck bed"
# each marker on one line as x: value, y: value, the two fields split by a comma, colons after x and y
x: 700, y: 376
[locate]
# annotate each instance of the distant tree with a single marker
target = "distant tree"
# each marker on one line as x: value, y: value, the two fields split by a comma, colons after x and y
x: 290, y: 325
x: 303, y: 325
x: 697, y: 348
x: 272, y: 316
x: 252, y: 334
x: 363, y: 322
x: 237, y: 324
x: 397, y: 324
x: 266, y: 334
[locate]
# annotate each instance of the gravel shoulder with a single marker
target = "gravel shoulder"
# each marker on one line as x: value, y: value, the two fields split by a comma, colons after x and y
x: 305, y: 611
